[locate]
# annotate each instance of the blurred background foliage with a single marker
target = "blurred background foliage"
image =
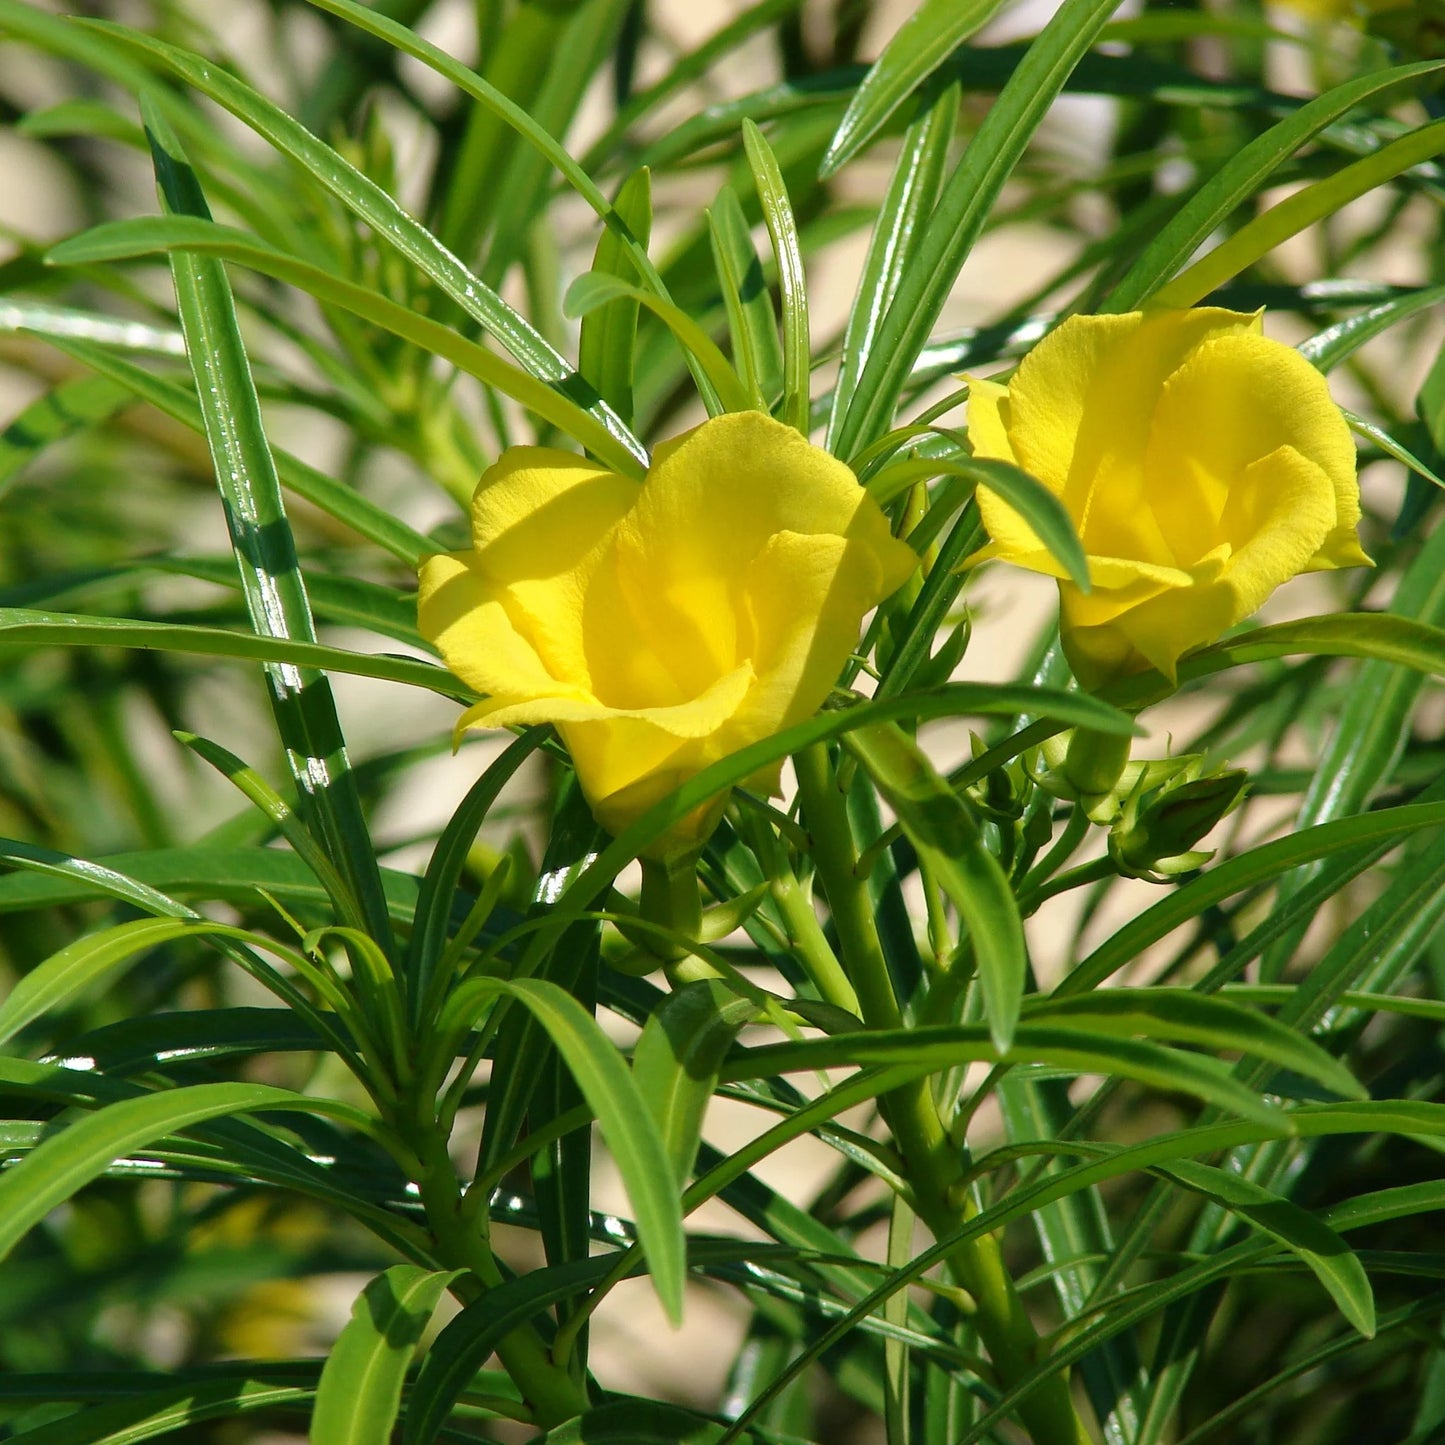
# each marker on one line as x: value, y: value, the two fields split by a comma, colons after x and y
x: 170, y: 1268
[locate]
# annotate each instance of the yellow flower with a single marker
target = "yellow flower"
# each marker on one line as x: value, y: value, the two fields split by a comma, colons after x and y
x: 1202, y: 463
x: 664, y: 626
x: 1340, y: 9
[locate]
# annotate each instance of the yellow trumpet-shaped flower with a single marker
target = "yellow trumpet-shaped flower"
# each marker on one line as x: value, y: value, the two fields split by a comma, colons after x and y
x: 661, y: 627
x: 1203, y: 464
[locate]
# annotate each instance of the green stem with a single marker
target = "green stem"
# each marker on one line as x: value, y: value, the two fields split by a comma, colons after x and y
x: 810, y: 943
x: 1091, y: 872
x: 551, y: 1394
x: 670, y: 899
x: 1094, y: 762
x: 1060, y: 851
x: 932, y: 1164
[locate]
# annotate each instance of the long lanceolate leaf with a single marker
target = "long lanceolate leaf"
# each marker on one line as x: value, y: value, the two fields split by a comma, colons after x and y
x: 265, y: 550
x: 67, y: 1161
x: 912, y: 192
x: 114, y: 240
x: 359, y: 1393
x: 923, y: 42
x: 1241, y: 176
x: 783, y: 231
x: 388, y: 219
x: 941, y: 828
x: 963, y: 208
x: 21, y: 626
x: 1296, y: 212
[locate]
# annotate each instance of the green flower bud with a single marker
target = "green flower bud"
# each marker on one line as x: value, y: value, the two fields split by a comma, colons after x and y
x: 1156, y: 830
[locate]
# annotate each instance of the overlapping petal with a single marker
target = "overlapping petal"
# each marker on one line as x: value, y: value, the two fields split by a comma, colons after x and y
x: 665, y: 626
x: 1203, y: 465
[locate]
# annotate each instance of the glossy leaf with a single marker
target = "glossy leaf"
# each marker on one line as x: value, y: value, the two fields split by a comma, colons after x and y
x: 922, y: 43
x: 942, y: 829
x: 359, y: 1393
x: 676, y: 1061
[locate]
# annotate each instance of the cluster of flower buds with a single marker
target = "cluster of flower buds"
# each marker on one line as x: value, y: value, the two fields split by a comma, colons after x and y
x: 1172, y: 804
x: 1156, y: 810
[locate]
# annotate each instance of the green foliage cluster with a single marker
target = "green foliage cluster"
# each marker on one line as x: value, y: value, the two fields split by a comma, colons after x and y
x: 263, y: 1042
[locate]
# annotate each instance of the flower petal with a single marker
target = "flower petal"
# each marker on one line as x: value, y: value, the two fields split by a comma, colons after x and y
x: 542, y: 523
x: 804, y: 598
x: 1295, y: 505
x: 460, y: 610
x: 1238, y: 398
x: 1010, y: 536
x: 1078, y: 397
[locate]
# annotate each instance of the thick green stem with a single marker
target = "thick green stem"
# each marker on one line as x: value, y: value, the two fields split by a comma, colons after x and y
x: 1094, y: 762
x: 550, y: 1392
x: 933, y: 1166
x: 670, y: 899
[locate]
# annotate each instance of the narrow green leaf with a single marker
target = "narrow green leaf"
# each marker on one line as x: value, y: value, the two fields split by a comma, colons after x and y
x: 383, y: 215
x: 359, y: 1393
x: 1392, y: 448
x: 1247, y: 870
x: 1245, y: 173
x: 76, y: 967
x: 234, y: 875
x: 1399, y: 640
x: 964, y: 206
x: 1184, y: 1016
x: 1327, y: 348
x: 265, y: 549
x: 153, y: 1413
x: 756, y: 348
x: 912, y: 192
x: 21, y: 626
x: 82, y: 1151
x: 922, y: 43
x: 723, y: 391
x: 149, y: 1042
x: 725, y: 262
x: 607, y: 346
x: 72, y: 407
x: 551, y: 401
x: 1299, y: 211
x: 1376, y: 635
x: 783, y: 229
x: 676, y: 1061
x: 940, y: 826
x: 613, y: 1096
x: 903, y: 1054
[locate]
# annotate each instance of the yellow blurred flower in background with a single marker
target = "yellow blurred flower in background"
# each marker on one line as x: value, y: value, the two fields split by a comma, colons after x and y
x: 662, y: 627
x: 1341, y: 9
x: 1203, y: 464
